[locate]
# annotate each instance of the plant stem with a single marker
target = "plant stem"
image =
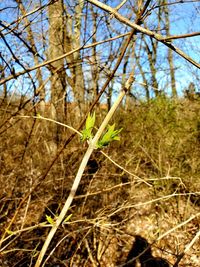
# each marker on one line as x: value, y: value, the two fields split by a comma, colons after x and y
x: 92, y: 146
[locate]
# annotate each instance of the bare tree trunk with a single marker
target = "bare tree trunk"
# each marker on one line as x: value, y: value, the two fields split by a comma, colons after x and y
x: 124, y: 75
x: 30, y: 37
x: 152, y: 55
x: 57, y: 33
x: 2, y: 75
x: 72, y: 41
x: 79, y: 90
x: 170, y: 52
x: 94, y: 65
x: 145, y: 81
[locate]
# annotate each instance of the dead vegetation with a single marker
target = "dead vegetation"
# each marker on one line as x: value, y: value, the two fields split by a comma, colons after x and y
x: 151, y: 189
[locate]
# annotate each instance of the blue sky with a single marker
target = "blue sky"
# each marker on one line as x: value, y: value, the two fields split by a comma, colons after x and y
x: 185, y: 18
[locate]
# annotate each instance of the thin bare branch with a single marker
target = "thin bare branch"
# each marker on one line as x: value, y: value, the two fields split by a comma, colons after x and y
x: 45, y: 63
x: 186, y: 35
x: 139, y: 28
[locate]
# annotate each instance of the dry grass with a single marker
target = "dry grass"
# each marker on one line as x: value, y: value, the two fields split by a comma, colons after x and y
x: 159, y: 145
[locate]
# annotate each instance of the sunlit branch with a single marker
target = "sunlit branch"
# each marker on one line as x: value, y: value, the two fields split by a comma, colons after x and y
x: 28, y: 14
x: 186, y: 35
x: 139, y: 28
x: 43, y: 64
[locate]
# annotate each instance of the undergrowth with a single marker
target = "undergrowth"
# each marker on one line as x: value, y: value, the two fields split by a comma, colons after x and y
x: 152, y: 186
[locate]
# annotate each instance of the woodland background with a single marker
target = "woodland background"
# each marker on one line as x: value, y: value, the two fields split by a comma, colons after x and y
x: 61, y: 60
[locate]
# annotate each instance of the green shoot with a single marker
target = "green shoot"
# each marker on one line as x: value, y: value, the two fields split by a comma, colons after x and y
x: 109, y: 136
x: 67, y: 218
x: 89, y: 125
x: 50, y: 220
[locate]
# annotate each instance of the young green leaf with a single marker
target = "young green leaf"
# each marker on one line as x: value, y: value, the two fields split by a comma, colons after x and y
x: 109, y: 136
x: 50, y: 220
x: 68, y: 218
x: 90, y: 121
x: 9, y: 232
x: 89, y: 125
x: 86, y: 134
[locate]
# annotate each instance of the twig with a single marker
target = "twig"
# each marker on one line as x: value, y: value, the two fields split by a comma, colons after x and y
x: 122, y: 168
x: 92, y: 146
x: 43, y: 64
x: 186, y: 35
x: 179, y: 258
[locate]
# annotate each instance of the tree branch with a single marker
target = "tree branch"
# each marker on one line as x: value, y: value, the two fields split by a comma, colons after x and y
x: 139, y: 28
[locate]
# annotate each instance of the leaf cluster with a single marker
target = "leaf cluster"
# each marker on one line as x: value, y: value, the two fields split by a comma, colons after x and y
x: 110, y: 135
